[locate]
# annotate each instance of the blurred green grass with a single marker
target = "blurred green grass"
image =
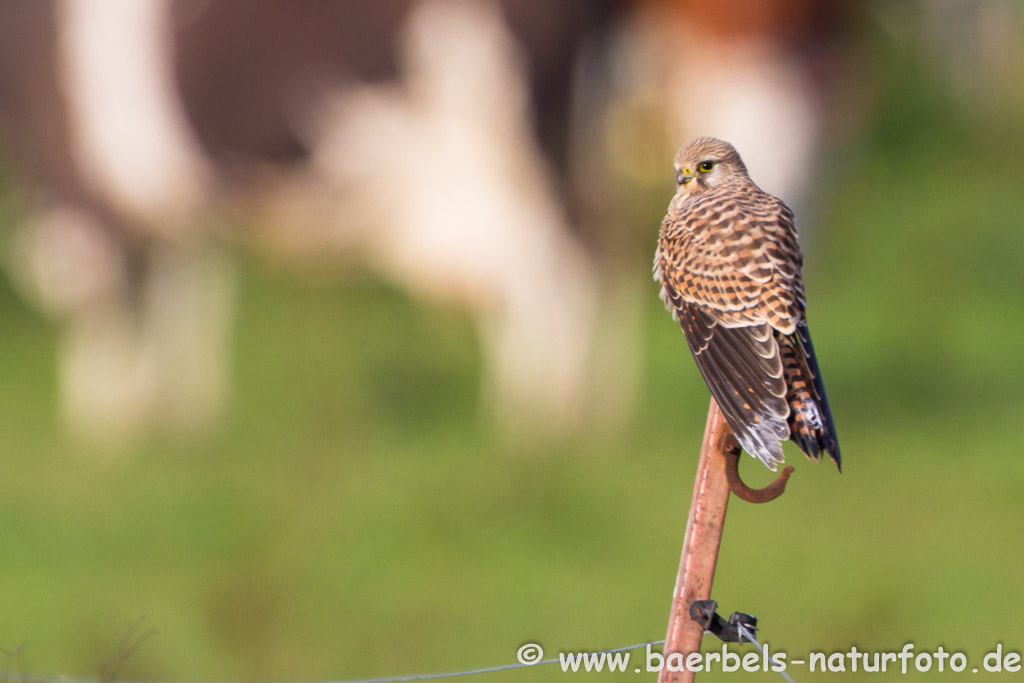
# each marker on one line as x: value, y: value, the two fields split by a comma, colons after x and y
x: 354, y: 516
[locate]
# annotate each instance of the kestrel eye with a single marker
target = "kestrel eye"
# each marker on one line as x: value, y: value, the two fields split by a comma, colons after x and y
x: 705, y: 166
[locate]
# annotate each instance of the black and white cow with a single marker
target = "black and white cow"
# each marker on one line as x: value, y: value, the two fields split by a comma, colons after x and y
x: 451, y: 145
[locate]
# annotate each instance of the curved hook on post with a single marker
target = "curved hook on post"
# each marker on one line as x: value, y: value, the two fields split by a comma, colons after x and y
x: 731, y: 449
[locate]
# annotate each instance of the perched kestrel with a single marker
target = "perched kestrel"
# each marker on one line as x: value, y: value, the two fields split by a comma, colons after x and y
x: 729, y: 268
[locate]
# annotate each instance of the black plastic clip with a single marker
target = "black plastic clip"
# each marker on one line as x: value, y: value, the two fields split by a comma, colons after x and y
x: 703, y: 612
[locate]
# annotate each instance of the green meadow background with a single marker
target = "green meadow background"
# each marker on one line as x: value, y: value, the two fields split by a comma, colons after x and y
x: 355, y: 516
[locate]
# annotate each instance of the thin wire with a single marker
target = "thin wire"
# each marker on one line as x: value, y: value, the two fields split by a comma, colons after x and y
x: 491, y: 669
x: 750, y: 636
x: 26, y: 678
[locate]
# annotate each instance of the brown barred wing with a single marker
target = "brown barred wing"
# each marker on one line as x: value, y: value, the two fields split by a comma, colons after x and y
x: 743, y: 369
x: 736, y: 254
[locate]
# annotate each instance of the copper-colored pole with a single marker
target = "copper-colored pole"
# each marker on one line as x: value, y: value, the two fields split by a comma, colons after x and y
x: 700, y: 546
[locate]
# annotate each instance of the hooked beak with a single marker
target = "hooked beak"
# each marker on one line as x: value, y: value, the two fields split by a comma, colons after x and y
x: 684, y: 176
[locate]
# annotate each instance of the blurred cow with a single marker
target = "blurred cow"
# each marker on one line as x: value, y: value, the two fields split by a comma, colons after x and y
x: 485, y: 152
x: 429, y: 138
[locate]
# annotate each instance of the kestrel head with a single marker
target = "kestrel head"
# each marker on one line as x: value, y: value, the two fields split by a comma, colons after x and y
x: 705, y: 163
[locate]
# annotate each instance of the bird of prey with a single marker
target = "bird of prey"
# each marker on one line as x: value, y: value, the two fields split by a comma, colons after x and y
x: 729, y: 268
